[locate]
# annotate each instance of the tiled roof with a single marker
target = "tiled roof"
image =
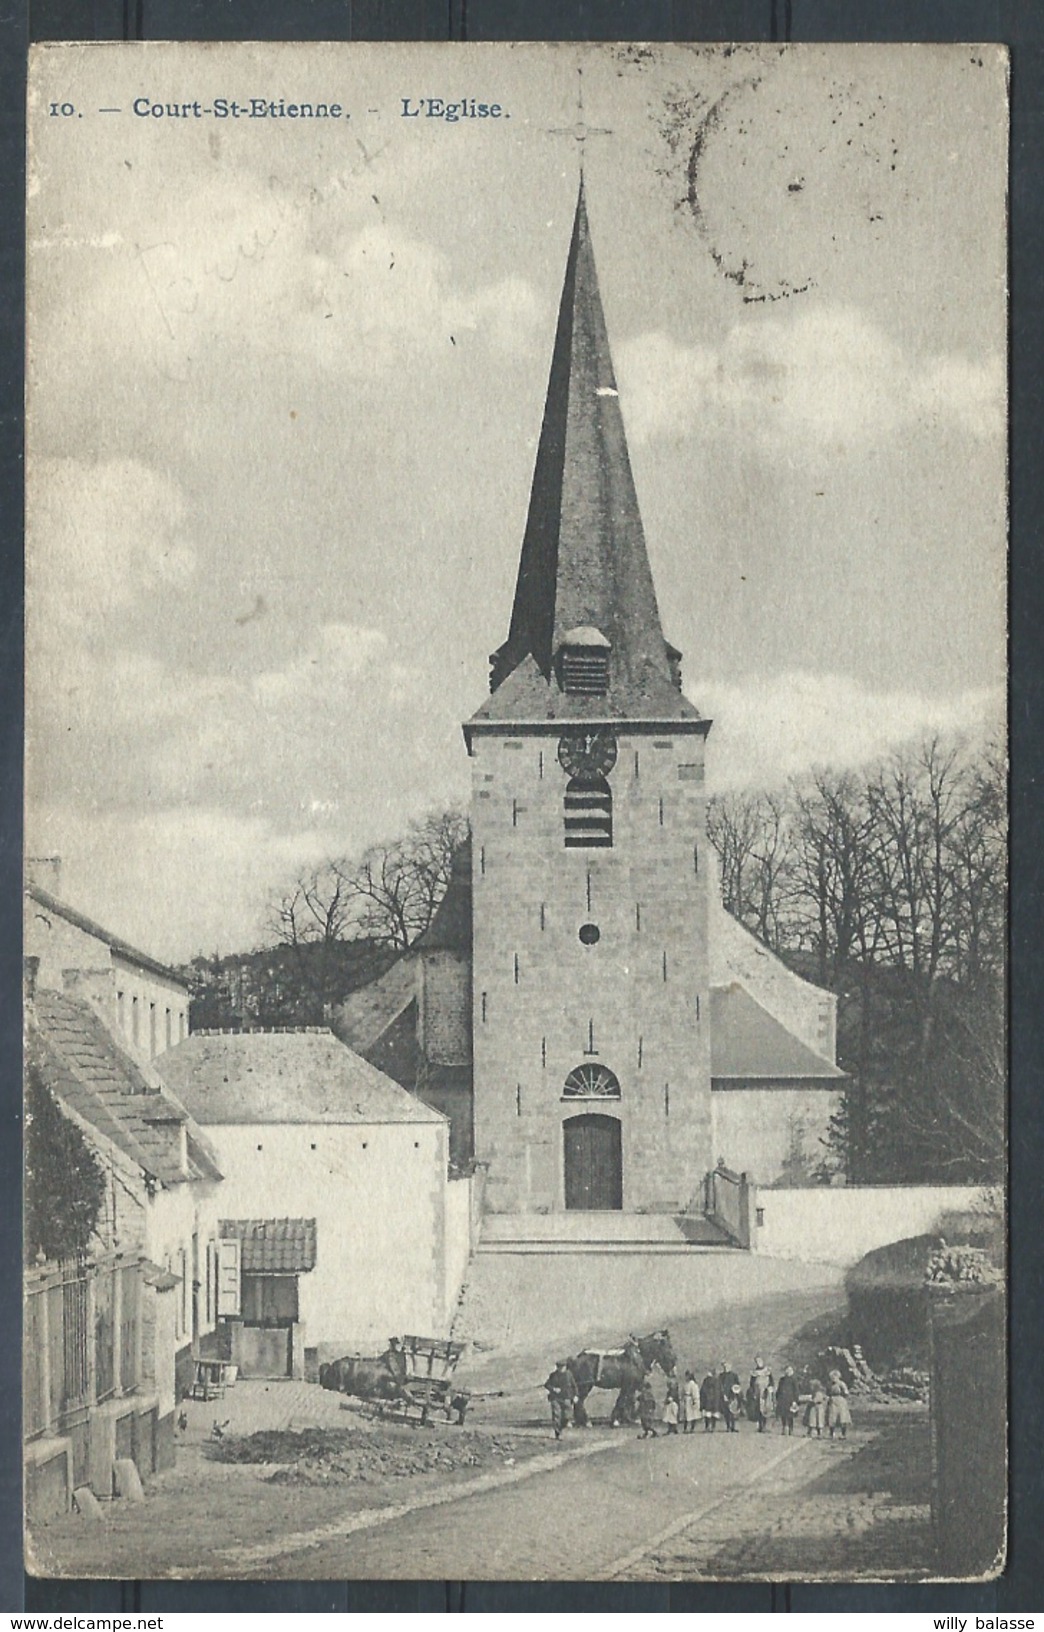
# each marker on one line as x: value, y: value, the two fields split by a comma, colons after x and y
x: 748, y: 1045
x: 87, y: 1069
x: 122, y: 948
x: 584, y: 561
x: 272, y: 1245
x: 273, y: 1077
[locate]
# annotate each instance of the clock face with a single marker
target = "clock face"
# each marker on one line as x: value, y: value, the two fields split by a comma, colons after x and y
x: 587, y: 754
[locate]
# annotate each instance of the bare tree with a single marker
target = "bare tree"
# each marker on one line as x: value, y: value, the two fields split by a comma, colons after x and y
x: 383, y: 901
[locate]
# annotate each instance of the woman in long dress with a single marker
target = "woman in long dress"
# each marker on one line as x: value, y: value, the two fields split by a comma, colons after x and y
x: 690, y: 1404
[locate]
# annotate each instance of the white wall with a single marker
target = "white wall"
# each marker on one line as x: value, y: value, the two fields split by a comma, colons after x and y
x: 754, y: 1128
x: 182, y: 1220
x: 837, y: 1226
x: 458, y: 1240
x: 377, y: 1194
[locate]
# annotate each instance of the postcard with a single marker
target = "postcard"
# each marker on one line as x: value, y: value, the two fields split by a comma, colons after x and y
x: 516, y: 810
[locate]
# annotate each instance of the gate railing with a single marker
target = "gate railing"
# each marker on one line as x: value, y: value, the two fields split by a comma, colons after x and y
x: 728, y: 1202
x: 82, y: 1339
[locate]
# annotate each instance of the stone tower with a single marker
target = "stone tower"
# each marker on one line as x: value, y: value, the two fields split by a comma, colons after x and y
x: 590, y: 880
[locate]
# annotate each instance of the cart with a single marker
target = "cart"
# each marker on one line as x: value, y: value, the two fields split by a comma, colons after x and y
x: 428, y: 1384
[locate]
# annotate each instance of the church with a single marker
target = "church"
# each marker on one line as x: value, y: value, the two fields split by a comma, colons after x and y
x: 600, y: 1032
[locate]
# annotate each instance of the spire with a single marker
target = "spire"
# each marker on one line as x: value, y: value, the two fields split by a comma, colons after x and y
x: 584, y: 571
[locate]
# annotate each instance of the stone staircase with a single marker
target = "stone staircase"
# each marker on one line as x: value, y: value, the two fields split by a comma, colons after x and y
x: 613, y: 1233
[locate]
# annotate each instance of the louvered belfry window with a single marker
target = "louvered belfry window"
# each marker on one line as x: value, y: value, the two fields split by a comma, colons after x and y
x: 588, y: 814
x: 585, y: 671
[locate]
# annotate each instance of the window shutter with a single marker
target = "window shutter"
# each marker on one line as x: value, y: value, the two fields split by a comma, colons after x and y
x: 228, y: 1295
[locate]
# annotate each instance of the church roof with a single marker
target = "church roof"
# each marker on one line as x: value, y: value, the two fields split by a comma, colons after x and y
x: 450, y: 928
x: 749, y: 1045
x: 584, y: 565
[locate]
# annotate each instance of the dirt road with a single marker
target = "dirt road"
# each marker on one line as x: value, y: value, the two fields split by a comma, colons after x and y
x: 602, y: 1503
x: 680, y: 1507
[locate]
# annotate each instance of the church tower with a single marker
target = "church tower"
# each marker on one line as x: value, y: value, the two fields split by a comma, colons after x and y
x: 590, y: 879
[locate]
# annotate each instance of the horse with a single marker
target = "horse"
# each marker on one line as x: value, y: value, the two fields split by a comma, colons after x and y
x: 621, y: 1369
x: 378, y: 1377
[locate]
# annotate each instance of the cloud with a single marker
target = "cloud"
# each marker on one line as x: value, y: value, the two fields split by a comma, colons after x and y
x: 101, y: 535
x: 768, y: 729
x: 175, y: 882
x: 341, y: 652
x: 237, y: 267
x: 824, y: 377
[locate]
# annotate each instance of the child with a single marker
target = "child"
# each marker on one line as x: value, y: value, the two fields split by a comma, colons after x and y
x: 815, y: 1409
x: 838, y: 1414
x: 670, y: 1406
x: 710, y: 1399
x: 647, y: 1411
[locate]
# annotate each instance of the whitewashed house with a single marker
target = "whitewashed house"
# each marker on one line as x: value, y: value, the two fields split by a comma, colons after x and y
x: 336, y: 1191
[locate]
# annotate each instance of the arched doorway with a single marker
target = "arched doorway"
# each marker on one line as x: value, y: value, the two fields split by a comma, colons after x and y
x: 593, y: 1163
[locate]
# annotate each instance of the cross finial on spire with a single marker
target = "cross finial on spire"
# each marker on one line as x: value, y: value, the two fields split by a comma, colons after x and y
x: 581, y: 130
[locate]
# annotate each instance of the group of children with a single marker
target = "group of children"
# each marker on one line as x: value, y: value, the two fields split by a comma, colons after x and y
x: 720, y: 1398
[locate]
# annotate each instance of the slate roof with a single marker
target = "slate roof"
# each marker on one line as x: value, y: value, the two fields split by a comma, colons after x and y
x: 450, y: 928
x: 584, y: 560
x: 272, y: 1245
x: 88, y: 1070
x: 285, y: 1077
x: 748, y: 1045
x: 122, y: 948
x: 366, y: 1014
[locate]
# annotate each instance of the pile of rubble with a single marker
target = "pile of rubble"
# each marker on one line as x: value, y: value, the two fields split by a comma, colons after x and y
x: 961, y: 1266
x: 347, y: 1456
x: 900, y: 1383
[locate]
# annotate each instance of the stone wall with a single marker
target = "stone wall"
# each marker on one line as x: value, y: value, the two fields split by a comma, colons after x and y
x: 636, y: 1001
x: 838, y: 1225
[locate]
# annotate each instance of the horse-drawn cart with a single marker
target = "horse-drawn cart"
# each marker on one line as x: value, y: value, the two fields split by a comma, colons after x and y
x: 428, y: 1383
x: 411, y: 1379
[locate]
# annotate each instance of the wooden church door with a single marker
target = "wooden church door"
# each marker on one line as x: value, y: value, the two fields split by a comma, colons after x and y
x: 593, y: 1163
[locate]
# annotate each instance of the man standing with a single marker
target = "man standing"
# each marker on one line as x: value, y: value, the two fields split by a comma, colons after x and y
x: 561, y: 1392
x: 729, y: 1395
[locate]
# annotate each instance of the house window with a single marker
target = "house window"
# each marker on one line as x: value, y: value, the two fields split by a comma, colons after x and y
x: 134, y: 1020
x: 588, y: 814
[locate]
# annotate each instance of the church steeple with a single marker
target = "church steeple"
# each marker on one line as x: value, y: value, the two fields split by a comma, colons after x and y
x: 585, y: 637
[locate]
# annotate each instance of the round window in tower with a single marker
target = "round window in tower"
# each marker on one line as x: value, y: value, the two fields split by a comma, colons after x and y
x: 590, y: 934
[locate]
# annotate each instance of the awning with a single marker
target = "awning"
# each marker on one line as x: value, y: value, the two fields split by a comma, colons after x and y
x: 272, y: 1246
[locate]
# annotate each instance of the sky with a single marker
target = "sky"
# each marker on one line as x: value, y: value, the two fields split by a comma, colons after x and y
x: 285, y: 387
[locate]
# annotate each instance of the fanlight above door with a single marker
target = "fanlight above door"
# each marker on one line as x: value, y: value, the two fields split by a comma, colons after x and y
x: 591, y: 1082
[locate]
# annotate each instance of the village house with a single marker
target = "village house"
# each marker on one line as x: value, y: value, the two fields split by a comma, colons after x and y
x: 151, y: 1001
x: 336, y: 1204
x: 110, y: 1340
